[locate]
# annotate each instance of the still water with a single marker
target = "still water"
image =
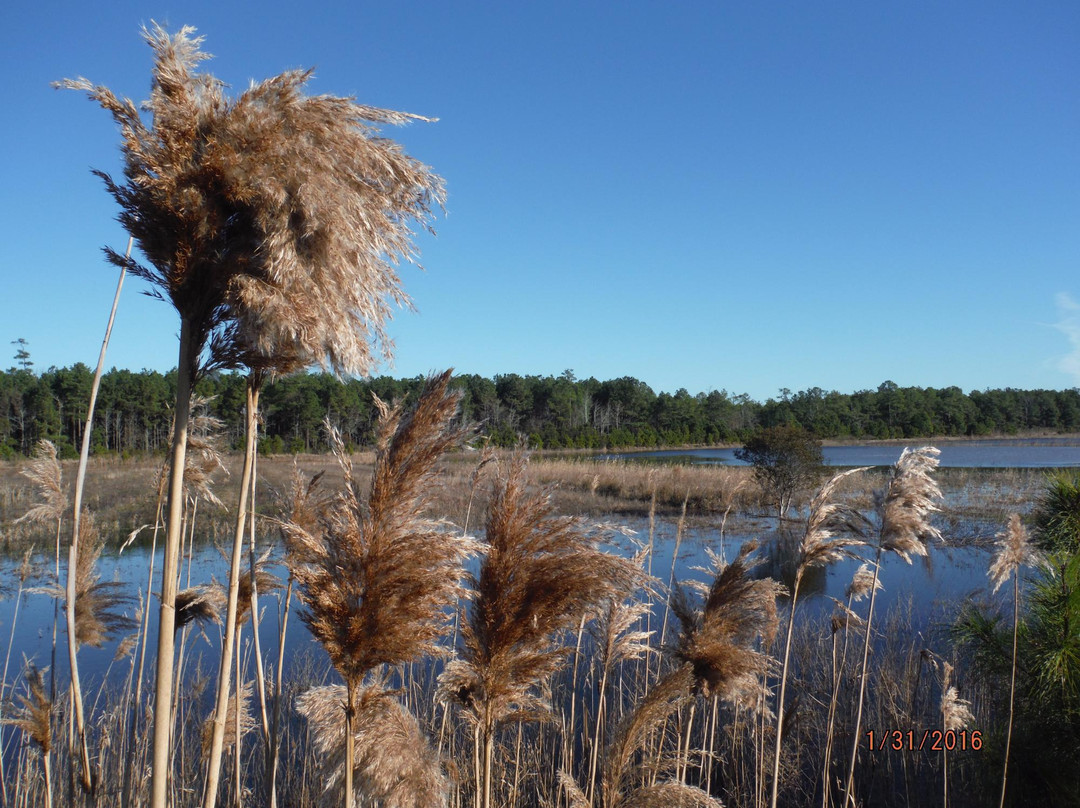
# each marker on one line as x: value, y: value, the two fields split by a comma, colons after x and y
x: 925, y: 591
x: 1003, y: 453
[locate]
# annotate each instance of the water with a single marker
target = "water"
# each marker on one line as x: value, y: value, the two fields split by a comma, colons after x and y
x: 1001, y: 453
x: 926, y: 588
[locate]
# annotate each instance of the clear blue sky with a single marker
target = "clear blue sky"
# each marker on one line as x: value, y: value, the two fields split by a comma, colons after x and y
x: 745, y: 196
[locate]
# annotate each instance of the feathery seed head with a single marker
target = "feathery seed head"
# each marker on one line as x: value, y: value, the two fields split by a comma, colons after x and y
x: 719, y: 637
x: 828, y: 519
x: 1015, y: 550
x: 44, y: 472
x: 33, y: 716
x: 910, y: 498
x: 274, y: 220
x: 541, y: 575
x: 955, y: 710
x: 200, y: 604
x: 862, y: 583
x: 394, y: 765
x: 378, y: 579
x: 97, y: 603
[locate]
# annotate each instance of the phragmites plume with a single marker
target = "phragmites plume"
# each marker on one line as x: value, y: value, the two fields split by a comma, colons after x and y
x: 909, y: 500
x: 863, y: 582
x: 44, y: 472
x: 664, y: 698
x: 719, y: 637
x: 1015, y: 550
x: 378, y: 578
x: 97, y: 603
x: 541, y: 575
x: 199, y: 604
x: 827, y: 520
x: 33, y: 715
x: 843, y: 618
x: 204, y: 458
x: 617, y: 632
x: 273, y: 221
x: 393, y: 763
x: 955, y: 711
x: 247, y: 720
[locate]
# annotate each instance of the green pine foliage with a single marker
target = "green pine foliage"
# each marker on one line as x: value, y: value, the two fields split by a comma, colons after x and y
x: 550, y: 412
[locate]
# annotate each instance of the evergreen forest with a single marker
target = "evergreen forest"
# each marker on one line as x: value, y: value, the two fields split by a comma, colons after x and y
x: 133, y: 413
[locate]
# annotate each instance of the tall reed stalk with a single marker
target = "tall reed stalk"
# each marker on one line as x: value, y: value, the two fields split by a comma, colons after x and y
x: 540, y: 575
x: 272, y: 222
x: 905, y: 528
x: 825, y: 520
x: 229, y: 637
x: 1015, y: 550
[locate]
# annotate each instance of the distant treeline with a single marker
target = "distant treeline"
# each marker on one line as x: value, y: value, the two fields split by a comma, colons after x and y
x: 133, y: 413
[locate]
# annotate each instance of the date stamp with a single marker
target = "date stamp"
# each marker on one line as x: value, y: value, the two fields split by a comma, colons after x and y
x: 928, y: 740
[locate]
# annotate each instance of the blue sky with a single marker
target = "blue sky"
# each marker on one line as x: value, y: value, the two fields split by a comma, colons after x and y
x: 740, y: 196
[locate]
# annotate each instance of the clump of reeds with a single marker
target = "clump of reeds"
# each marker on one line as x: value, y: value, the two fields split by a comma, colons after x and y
x: 378, y: 577
x: 33, y: 717
x: 905, y: 506
x: 273, y: 223
x: 832, y: 530
x: 670, y: 693
x: 540, y: 577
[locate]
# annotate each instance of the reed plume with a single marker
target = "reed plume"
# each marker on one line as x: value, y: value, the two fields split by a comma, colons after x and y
x: 1015, y: 550
x: 832, y: 530
x: 377, y: 578
x: 199, y: 604
x: 540, y: 577
x: 273, y: 223
x: 98, y: 604
x: 245, y: 721
x: 45, y: 475
x: 719, y: 636
x: 904, y: 509
x: 33, y: 717
x: 394, y: 765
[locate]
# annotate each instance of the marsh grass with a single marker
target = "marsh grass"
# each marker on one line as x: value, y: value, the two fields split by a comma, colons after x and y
x: 719, y: 746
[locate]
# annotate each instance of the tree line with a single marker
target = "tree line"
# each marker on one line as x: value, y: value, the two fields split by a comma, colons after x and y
x: 134, y: 410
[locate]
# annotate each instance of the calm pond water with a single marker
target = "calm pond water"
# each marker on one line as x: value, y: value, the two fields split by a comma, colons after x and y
x: 928, y: 589
x: 1002, y: 453
x: 925, y: 590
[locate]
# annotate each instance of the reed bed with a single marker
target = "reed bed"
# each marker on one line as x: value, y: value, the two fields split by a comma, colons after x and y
x: 615, y: 718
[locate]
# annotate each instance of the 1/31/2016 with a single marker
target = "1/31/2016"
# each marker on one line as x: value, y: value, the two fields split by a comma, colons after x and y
x: 930, y: 740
